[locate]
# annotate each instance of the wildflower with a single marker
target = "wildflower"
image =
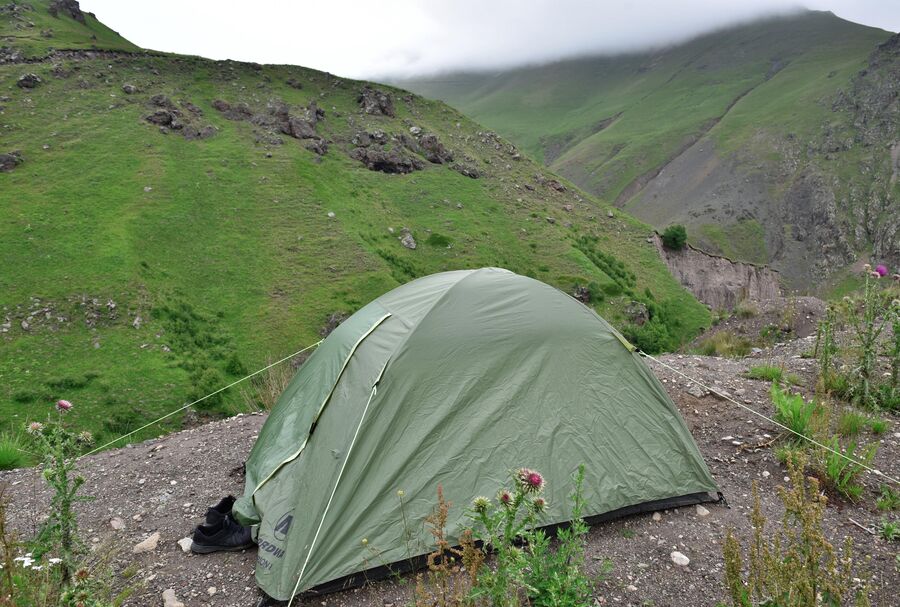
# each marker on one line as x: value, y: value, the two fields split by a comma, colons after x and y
x: 875, y: 274
x: 539, y: 504
x: 896, y: 277
x: 481, y: 504
x: 530, y: 481
x: 54, y: 560
x: 82, y: 574
x: 63, y: 405
x: 505, y: 497
x: 34, y: 428
x: 867, y: 267
x: 882, y: 270
x: 86, y: 437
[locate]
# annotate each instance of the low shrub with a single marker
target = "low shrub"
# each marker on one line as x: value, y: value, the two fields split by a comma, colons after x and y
x: 794, y: 564
x: 725, y: 343
x: 841, y: 473
x: 674, y: 237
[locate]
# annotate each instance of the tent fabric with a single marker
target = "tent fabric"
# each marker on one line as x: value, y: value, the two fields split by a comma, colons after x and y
x: 467, y: 376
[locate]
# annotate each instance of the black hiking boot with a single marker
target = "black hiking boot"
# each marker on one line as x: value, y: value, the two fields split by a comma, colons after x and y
x: 225, y: 536
x: 215, y: 514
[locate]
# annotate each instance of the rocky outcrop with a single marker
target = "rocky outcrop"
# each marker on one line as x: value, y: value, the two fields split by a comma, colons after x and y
x: 66, y: 7
x: 718, y: 281
x: 373, y: 101
x: 10, y: 160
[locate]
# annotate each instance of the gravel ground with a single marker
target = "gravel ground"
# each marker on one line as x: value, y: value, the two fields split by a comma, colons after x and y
x: 164, y: 486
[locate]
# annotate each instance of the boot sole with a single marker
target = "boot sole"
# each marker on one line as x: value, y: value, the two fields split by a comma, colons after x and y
x: 201, y: 549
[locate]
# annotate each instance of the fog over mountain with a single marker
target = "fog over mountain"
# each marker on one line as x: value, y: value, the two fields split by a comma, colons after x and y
x: 402, y: 38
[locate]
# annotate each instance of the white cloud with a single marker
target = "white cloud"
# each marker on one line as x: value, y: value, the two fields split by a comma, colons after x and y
x: 413, y: 37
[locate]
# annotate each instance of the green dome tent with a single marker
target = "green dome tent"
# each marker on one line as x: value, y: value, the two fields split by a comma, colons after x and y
x: 455, y: 379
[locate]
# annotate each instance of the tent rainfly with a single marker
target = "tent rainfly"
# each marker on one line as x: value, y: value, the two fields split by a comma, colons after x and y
x: 455, y: 379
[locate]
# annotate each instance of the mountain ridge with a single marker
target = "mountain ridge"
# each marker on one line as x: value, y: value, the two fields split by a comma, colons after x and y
x: 761, y: 95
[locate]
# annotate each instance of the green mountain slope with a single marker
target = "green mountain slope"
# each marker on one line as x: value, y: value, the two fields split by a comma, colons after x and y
x: 747, y: 111
x: 169, y: 222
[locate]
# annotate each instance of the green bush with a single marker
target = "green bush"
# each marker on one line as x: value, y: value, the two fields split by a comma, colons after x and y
x: 878, y: 426
x: 675, y: 237
x: 889, y: 530
x: 437, y: 240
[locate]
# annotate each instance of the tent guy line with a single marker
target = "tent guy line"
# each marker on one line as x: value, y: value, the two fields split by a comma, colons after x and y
x: 201, y: 399
x: 769, y: 419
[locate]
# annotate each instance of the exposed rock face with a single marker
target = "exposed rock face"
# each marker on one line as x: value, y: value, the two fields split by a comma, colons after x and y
x: 66, y: 7
x: 466, y: 169
x: 717, y: 281
x: 373, y: 101
x: 277, y: 118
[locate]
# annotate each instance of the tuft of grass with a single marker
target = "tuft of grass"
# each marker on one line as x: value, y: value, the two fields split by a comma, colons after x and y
x: 889, y: 499
x: 841, y: 473
x: 889, y: 530
x: 794, y: 412
x: 11, y: 454
x: 851, y: 423
x: 877, y: 425
x: 725, y: 343
x: 769, y: 373
x: 746, y: 309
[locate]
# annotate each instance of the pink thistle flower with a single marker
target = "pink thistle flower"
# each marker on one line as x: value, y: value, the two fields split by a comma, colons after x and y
x: 34, y: 428
x: 540, y: 504
x: 882, y: 270
x: 505, y: 497
x: 63, y: 405
x: 530, y: 481
x: 875, y: 274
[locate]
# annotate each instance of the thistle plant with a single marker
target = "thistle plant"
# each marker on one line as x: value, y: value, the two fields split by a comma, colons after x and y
x: 868, y: 318
x: 58, y: 447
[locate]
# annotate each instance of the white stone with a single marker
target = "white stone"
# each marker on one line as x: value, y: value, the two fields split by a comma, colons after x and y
x: 680, y: 559
x: 331, y: 214
x: 701, y: 511
x: 186, y: 544
x: 657, y: 516
x: 148, y: 545
x: 117, y: 523
x: 766, y: 474
x: 170, y: 600
x: 211, y: 590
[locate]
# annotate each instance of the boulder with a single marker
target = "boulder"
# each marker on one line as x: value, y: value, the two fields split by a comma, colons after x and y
x: 300, y: 128
x: 466, y: 169
x: 391, y: 161
x: 161, y: 118
x: 10, y: 160
x: 28, y: 81
x: 191, y: 132
x: 148, y: 545
x: 433, y: 150
x: 160, y: 100
x: 129, y: 89
x: 170, y: 600
x: 294, y: 83
x: 373, y: 101
x: 318, y: 146
x: 407, y: 239
x: 637, y: 313
x: 364, y: 139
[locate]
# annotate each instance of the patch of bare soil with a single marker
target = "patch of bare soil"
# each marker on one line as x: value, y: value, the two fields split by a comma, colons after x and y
x: 165, y: 485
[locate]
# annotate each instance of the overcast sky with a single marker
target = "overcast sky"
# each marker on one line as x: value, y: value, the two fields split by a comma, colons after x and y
x: 366, y: 39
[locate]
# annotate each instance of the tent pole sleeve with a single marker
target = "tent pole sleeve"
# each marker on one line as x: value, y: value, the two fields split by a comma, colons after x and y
x: 334, y: 489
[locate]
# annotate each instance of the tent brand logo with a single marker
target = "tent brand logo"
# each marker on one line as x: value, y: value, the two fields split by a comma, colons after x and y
x: 270, y: 548
x: 283, y: 526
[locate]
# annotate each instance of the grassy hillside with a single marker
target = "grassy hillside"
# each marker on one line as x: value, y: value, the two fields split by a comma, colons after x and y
x: 746, y: 109
x: 147, y: 264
